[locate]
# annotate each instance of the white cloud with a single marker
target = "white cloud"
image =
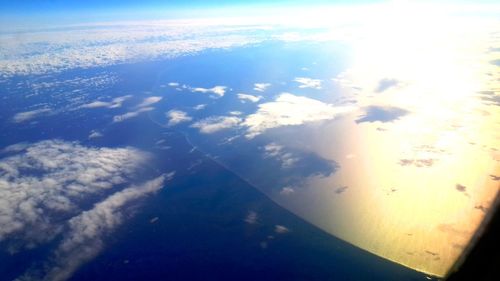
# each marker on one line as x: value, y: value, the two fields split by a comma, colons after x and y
x: 236, y: 113
x: 176, y: 117
x: 246, y: 97
x: 261, y: 87
x: 308, y: 82
x: 149, y: 101
x: 84, y: 238
x: 114, y: 103
x: 216, y: 123
x: 288, y: 110
x: 199, y: 106
x: 277, y: 151
x: 94, y: 134
x: 287, y: 190
x: 132, y: 114
x: 46, y: 187
x: 97, y: 45
x: 219, y: 91
x: 173, y: 84
x: 55, y: 176
x: 30, y: 115
x: 280, y: 229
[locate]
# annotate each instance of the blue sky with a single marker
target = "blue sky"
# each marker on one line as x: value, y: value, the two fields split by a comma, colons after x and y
x: 59, y: 12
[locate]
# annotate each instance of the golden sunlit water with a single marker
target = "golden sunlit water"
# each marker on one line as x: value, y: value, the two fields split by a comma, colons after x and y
x: 414, y: 189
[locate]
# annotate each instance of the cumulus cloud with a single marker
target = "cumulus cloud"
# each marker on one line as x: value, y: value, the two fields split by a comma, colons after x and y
x: 45, y: 187
x: 30, y: 115
x: 132, y: 114
x: 277, y: 151
x: 173, y: 84
x: 246, y: 97
x: 216, y: 123
x: 308, y: 83
x: 219, y: 91
x: 288, y: 110
x: 176, y: 117
x: 114, y: 103
x: 84, y: 238
x: 52, y: 177
x: 149, y: 101
x: 261, y: 87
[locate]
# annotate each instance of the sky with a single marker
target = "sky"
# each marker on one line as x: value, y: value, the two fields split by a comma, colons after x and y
x: 31, y: 12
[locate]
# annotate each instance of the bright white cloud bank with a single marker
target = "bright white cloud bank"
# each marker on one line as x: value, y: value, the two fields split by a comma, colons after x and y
x: 289, y: 109
x: 44, y: 188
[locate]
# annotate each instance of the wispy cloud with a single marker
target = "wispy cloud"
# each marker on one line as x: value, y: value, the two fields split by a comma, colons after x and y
x: 218, y: 91
x: 114, y: 103
x: 132, y: 114
x: 261, y: 87
x: 277, y: 152
x: 216, y: 123
x: 246, y: 97
x: 84, y: 238
x: 177, y: 116
x: 308, y: 83
x: 49, y: 185
x: 30, y: 115
x: 149, y: 101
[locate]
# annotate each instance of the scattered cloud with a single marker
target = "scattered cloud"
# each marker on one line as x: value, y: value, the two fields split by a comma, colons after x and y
x: 461, y: 188
x: 287, y: 190
x: 251, y: 217
x: 94, y: 134
x: 30, y: 115
x: 45, y: 187
x: 84, y: 238
x: 173, y: 84
x: 289, y: 110
x: 177, y: 116
x: 386, y: 84
x: 216, y: 123
x: 280, y: 229
x: 261, y: 87
x: 199, y: 106
x: 132, y: 114
x: 417, y: 162
x: 276, y: 151
x: 308, y: 83
x: 246, y: 97
x: 382, y: 114
x: 235, y: 113
x: 219, y: 91
x: 341, y: 189
x: 149, y: 101
x: 114, y: 103
x: 52, y: 177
